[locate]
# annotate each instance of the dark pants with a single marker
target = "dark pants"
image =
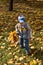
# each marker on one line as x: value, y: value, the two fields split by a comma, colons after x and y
x: 25, y: 42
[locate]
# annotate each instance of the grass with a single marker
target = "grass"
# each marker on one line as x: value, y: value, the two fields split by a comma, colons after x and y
x: 8, y: 21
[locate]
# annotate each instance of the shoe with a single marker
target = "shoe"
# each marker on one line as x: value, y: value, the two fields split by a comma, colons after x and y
x: 29, y: 53
x: 22, y: 47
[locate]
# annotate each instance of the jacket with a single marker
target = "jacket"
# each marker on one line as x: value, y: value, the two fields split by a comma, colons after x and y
x: 24, y: 30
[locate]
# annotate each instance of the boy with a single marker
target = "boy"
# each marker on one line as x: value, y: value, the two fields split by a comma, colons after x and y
x: 24, y: 32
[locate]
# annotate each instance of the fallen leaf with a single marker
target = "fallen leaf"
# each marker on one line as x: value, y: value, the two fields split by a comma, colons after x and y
x: 21, y: 58
x: 25, y: 63
x: 32, y: 47
x: 10, y: 61
x: 16, y: 57
x: 2, y: 47
x: 33, y: 62
x: 41, y: 48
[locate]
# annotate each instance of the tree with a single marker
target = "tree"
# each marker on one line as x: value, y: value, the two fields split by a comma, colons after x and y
x: 11, y: 5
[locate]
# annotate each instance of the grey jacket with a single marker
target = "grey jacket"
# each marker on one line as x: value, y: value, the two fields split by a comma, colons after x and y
x: 24, y: 30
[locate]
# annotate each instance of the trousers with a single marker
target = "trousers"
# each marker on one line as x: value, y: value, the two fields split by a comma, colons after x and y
x: 24, y: 43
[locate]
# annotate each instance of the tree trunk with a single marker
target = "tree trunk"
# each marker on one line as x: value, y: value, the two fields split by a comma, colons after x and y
x: 11, y: 5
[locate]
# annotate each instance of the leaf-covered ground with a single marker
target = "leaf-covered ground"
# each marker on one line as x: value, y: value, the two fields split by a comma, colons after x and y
x: 10, y: 55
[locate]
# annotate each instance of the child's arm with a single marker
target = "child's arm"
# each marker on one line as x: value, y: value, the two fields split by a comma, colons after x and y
x: 17, y: 31
x: 29, y: 31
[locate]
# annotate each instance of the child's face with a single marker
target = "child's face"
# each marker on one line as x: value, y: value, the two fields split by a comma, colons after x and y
x: 22, y: 23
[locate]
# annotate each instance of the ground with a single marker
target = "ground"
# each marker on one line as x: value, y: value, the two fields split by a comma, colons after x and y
x: 14, y: 55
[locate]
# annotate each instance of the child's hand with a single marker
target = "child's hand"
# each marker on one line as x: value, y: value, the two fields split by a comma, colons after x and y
x: 17, y: 34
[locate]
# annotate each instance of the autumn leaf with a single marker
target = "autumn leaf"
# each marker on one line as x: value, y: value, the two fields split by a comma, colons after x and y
x: 33, y: 62
x: 16, y: 57
x: 10, y: 61
x: 21, y: 58
x: 2, y: 47
x: 13, y: 37
x: 32, y: 47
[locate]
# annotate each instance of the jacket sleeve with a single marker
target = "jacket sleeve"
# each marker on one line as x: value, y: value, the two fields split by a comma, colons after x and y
x: 16, y: 28
x: 29, y: 31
